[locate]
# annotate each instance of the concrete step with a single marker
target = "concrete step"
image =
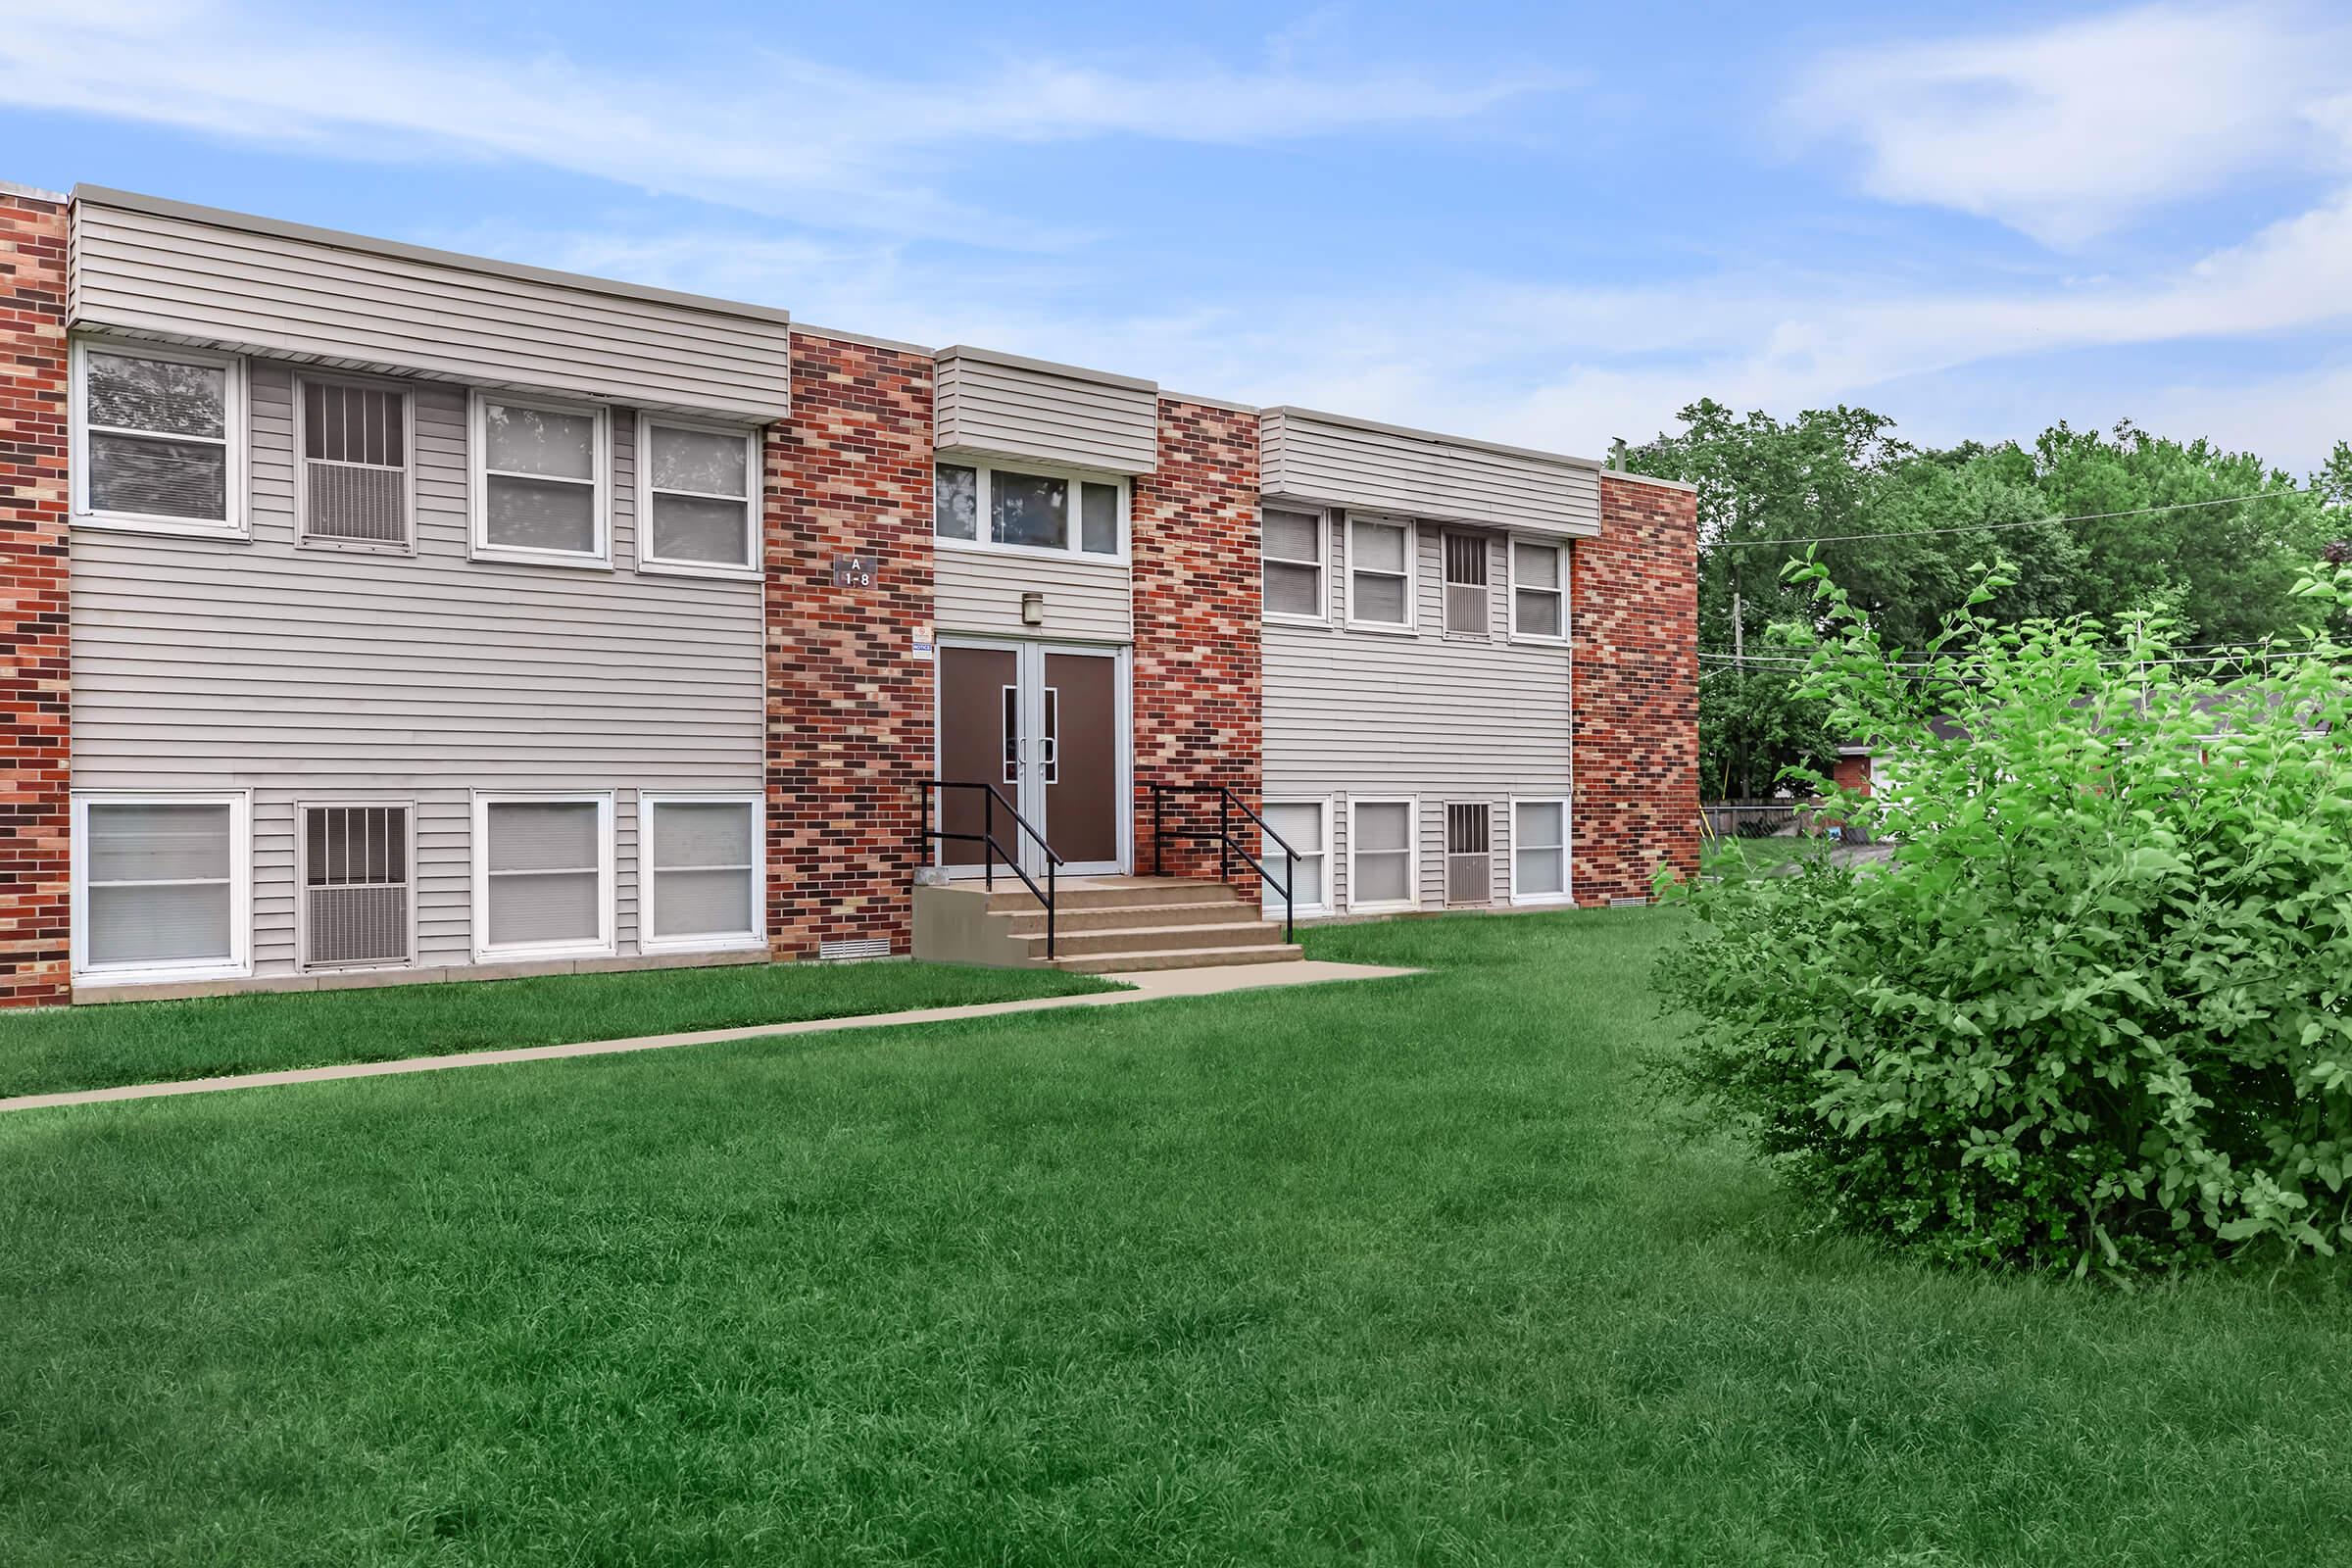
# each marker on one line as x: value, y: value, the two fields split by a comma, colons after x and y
x: 1032, y: 922
x: 1179, y: 958
x: 1127, y: 893
x: 1155, y: 939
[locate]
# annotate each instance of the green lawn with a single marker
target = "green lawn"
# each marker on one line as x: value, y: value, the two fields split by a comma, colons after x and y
x: 149, y: 1041
x: 1403, y: 1271
x: 1770, y: 857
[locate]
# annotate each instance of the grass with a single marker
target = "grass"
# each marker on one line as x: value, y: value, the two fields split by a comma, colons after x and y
x: 148, y: 1042
x: 1767, y: 857
x: 1407, y: 1271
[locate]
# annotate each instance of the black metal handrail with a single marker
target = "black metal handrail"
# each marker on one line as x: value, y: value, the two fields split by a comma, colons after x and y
x: 1228, y: 845
x: 993, y: 798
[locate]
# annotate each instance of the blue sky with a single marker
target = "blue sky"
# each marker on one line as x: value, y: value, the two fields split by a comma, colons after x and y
x: 1540, y: 223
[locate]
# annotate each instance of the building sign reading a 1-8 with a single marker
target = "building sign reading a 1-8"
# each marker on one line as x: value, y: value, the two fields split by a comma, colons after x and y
x: 852, y: 571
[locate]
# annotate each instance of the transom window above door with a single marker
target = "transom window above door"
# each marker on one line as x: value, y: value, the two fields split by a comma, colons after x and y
x: 989, y: 508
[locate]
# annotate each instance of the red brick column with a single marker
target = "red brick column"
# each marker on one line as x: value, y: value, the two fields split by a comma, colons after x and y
x: 36, y: 893
x: 1199, y: 677
x: 849, y: 698
x: 1852, y: 773
x: 1636, y: 630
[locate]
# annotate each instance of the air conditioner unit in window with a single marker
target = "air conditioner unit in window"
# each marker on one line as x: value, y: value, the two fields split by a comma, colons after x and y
x: 1469, y: 865
x: 354, y: 502
x: 1466, y: 583
x: 355, y: 885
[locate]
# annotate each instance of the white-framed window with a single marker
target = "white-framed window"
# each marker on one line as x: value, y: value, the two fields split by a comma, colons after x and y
x: 1467, y: 611
x: 356, y: 873
x: 1305, y: 826
x: 356, y: 488
x: 1030, y: 509
x: 1540, y: 849
x: 539, y: 486
x: 700, y: 884
x: 542, y: 875
x: 697, y: 498
x: 1380, y: 574
x: 1384, y: 859
x: 1539, y: 591
x: 1292, y: 545
x: 159, y: 438
x: 163, y: 887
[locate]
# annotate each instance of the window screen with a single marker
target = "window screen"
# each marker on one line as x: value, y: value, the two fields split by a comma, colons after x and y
x: 1098, y: 519
x: 1294, y: 563
x: 161, y: 883
x: 699, y: 486
x: 1380, y: 574
x: 1300, y: 825
x: 1538, y: 595
x: 703, y: 860
x: 1466, y: 583
x: 1381, y: 853
x: 156, y: 436
x: 355, y: 884
x: 1539, y: 850
x: 539, y: 479
x: 354, y: 463
x: 544, y: 872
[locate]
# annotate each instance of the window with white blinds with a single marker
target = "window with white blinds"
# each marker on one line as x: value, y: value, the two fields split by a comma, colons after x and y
x: 160, y: 886
x: 1304, y: 826
x: 1382, y: 866
x: 355, y: 885
x: 1466, y: 584
x: 1539, y: 591
x: 702, y: 885
x: 538, y: 481
x: 355, y: 462
x: 543, y: 875
x: 1380, y: 574
x: 1538, y: 851
x: 697, y: 498
x: 1293, y: 546
x: 159, y: 438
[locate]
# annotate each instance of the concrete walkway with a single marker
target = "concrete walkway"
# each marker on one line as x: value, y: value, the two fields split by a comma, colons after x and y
x: 1150, y: 986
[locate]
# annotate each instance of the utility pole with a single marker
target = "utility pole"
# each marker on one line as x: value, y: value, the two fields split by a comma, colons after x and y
x: 1738, y: 635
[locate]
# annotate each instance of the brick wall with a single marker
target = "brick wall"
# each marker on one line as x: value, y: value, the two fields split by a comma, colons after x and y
x: 848, y: 702
x: 1852, y: 773
x: 1637, y: 691
x: 1199, y: 678
x: 35, y: 900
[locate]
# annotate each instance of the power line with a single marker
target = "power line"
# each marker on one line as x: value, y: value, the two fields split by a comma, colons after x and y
x: 1770, y: 661
x: 1995, y: 527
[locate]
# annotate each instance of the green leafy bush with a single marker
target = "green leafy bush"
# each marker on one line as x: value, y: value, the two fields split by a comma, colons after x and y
x: 2092, y: 1012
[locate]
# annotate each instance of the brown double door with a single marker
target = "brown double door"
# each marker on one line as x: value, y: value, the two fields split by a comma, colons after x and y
x: 1043, y: 725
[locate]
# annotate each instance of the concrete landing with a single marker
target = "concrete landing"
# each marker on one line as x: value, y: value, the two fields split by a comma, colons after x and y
x: 1157, y: 986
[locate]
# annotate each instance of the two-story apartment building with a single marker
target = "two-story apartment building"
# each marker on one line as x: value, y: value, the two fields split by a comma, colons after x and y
x: 377, y: 614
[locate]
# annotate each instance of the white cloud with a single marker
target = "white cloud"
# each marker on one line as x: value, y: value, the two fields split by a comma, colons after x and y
x: 773, y: 133
x: 2069, y: 131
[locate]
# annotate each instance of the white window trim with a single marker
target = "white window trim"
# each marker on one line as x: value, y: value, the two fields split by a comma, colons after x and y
x: 1560, y: 548
x: 1412, y: 850
x: 240, y: 899
x: 1410, y: 626
x: 984, y: 472
x: 1321, y: 563
x: 1567, y: 892
x: 647, y: 882
x: 1323, y: 804
x: 754, y: 503
x: 239, y: 523
x: 1446, y: 585
x: 478, y: 475
x: 303, y: 537
x: 483, y: 950
x: 301, y: 884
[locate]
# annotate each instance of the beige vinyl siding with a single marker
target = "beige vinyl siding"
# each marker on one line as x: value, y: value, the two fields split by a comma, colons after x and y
x: 1333, y: 461
x: 1370, y: 716
x: 980, y: 591
x: 316, y: 675
x: 162, y: 274
x: 1000, y: 405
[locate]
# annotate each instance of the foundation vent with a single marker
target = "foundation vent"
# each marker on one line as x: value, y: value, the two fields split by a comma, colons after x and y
x: 861, y: 948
